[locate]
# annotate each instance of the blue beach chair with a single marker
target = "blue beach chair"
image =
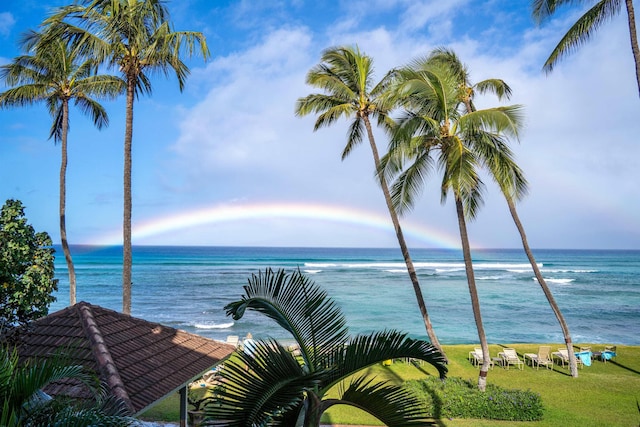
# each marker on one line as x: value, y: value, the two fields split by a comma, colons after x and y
x: 585, y: 355
x: 608, y: 353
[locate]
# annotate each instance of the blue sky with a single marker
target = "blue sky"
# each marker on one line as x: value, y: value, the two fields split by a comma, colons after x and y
x: 226, y: 162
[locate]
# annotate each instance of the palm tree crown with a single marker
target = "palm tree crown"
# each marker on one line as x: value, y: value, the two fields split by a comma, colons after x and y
x: 440, y: 129
x: 270, y: 385
x: 135, y: 37
x: 345, y: 75
x: 54, y: 73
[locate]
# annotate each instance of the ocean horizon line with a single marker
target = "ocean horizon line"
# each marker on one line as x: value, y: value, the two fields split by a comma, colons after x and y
x: 97, y: 245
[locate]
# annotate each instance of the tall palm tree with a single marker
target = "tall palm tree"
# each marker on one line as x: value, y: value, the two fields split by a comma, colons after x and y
x: 584, y: 27
x: 136, y: 37
x: 271, y: 386
x: 436, y: 132
x: 55, y: 74
x: 345, y: 74
x: 507, y: 175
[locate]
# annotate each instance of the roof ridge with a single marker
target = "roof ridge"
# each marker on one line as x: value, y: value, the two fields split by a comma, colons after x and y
x: 106, y: 365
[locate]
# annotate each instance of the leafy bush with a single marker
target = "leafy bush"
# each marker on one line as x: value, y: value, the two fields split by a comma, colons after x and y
x: 459, y: 398
x: 26, y: 269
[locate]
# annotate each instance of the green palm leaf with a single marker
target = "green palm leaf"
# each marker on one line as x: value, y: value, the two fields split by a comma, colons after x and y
x: 366, y: 350
x: 269, y: 386
x: 298, y: 306
x: 393, y: 405
x: 266, y: 385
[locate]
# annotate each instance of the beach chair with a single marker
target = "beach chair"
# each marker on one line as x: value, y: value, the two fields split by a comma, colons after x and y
x: 477, y: 358
x: 563, y: 356
x: 608, y: 353
x: 585, y: 355
x: 543, y: 357
x: 510, y: 357
x: 233, y: 340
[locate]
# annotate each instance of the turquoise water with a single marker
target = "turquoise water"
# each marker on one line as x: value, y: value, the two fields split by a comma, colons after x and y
x: 187, y: 288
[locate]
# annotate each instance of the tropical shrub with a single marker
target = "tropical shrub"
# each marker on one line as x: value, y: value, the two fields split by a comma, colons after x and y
x: 26, y: 269
x: 460, y: 398
x: 25, y: 404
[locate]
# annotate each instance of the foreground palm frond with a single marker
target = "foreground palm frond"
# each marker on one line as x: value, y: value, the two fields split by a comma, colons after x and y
x: 270, y: 386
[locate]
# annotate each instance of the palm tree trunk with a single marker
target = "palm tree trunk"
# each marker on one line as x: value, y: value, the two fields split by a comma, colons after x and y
x: 547, y: 292
x: 403, y: 244
x: 63, y: 203
x: 634, y: 39
x: 313, y: 410
x: 473, y: 291
x: 126, y: 225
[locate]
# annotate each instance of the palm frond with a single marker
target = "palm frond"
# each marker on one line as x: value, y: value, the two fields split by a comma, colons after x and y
x: 366, y: 350
x: 504, y: 119
x: 355, y: 135
x: 299, y: 306
x: 447, y: 58
x: 393, y: 405
x: 543, y: 9
x: 582, y: 30
x: 94, y: 109
x: 266, y: 384
x: 498, y: 158
x: 408, y: 185
x: 496, y: 86
x: 330, y: 108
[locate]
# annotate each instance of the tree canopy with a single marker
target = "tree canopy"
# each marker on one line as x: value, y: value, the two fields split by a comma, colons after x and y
x: 26, y: 269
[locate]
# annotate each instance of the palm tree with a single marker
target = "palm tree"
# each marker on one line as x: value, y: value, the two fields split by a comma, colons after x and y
x: 270, y: 385
x: 136, y: 37
x: 345, y: 75
x: 24, y: 403
x: 435, y: 121
x: 507, y: 175
x: 584, y: 27
x: 55, y: 74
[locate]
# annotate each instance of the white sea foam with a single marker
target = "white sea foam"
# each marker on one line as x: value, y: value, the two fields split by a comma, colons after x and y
x: 558, y: 281
x: 396, y: 271
x: 571, y: 271
x: 213, y: 325
x: 443, y: 266
x: 320, y: 264
x: 312, y: 271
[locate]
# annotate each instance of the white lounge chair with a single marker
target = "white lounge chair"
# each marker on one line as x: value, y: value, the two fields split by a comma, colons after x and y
x: 543, y: 357
x: 477, y: 358
x: 563, y: 356
x: 510, y: 357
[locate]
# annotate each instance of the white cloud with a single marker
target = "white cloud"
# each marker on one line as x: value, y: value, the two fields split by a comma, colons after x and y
x: 6, y: 23
x: 244, y: 141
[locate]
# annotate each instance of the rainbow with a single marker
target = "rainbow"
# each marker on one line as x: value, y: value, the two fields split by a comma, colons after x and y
x: 239, y: 212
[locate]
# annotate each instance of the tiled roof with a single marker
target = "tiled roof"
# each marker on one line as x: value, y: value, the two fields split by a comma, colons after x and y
x: 142, y: 362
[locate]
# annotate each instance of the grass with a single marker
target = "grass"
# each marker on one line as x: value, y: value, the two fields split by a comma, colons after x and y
x: 603, y: 394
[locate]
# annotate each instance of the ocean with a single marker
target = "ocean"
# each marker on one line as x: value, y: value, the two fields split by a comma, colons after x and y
x: 598, y: 291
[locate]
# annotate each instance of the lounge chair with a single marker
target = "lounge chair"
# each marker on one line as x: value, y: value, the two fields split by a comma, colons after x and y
x: 563, y: 355
x: 542, y: 358
x: 477, y: 358
x: 608, y: 353
x: 585, y: 355
x: 510, y: 357
x: 233, y: 340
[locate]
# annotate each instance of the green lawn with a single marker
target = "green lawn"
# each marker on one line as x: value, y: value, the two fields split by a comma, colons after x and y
x: 604, y: 394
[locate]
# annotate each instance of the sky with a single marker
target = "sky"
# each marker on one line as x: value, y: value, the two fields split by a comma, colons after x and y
x: 226, y: 162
